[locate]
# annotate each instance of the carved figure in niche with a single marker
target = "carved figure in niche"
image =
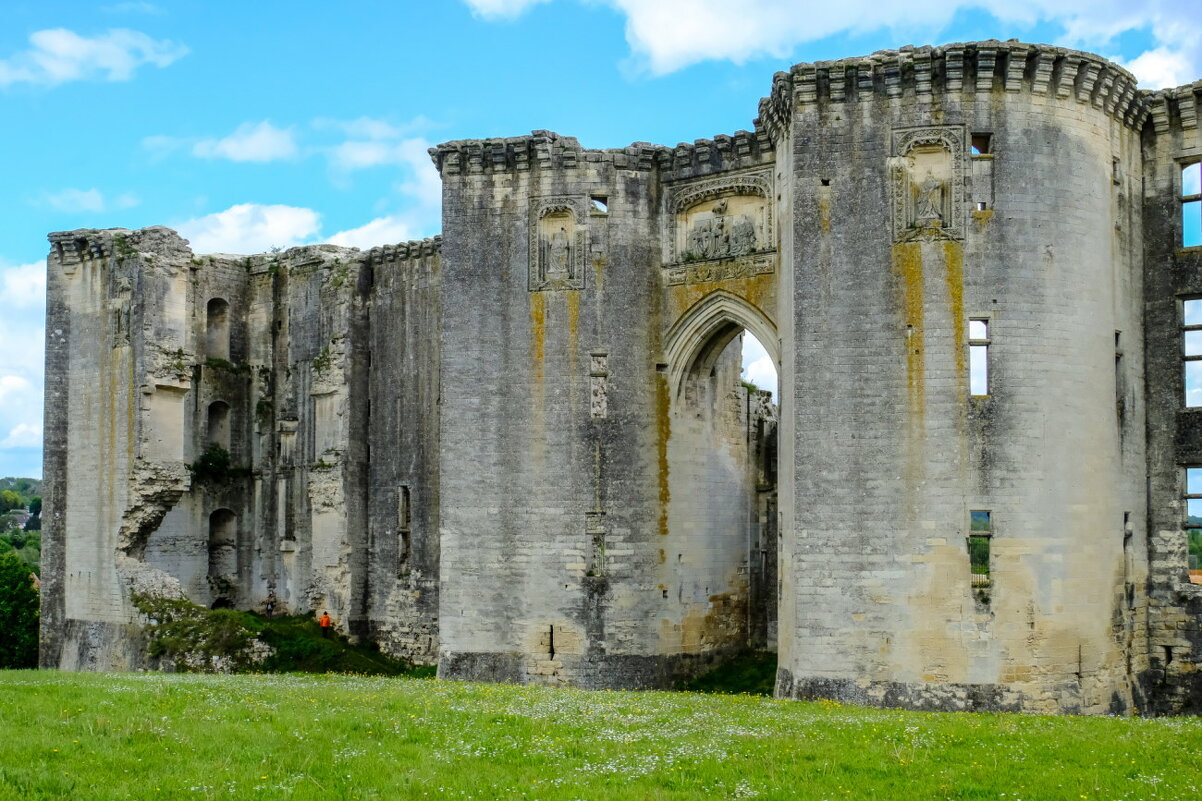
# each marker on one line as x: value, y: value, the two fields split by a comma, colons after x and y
x: 699, y: 238
x: 742, y: 236
x: 559, y: 251
x: 720, y: 239
x: 930, y: 200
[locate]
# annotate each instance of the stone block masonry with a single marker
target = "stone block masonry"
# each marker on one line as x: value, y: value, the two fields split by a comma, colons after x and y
x: 522, y: 451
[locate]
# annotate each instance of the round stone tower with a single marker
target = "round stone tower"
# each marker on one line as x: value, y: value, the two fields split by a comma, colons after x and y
x: 961, y: 358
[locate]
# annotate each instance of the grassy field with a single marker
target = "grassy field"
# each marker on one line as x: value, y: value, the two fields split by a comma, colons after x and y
x: 154, y: 736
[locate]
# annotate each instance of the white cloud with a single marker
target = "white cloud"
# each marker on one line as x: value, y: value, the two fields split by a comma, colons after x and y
x: 250, y: 228
x: 22, y: 330
x: 421, y: 189
x: 13, y: 385
x: 758, y: 367
x: 371, y: 128
x: 24, y: 286
x: 250, y: 142
x: 493, y: 9
x: 58, y: 55
x: 667, y: 35
x: 1161, y: 68
x: 21, y: 398
x: 93, y: 200
x: 23, y: 435
x: 358, y: 155
x: 380, y: 231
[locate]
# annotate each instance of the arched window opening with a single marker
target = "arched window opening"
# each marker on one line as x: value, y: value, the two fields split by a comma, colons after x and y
x: 219, y: 424
x: 758, y: 367
x: 223, y: 539
x: 217, y: 329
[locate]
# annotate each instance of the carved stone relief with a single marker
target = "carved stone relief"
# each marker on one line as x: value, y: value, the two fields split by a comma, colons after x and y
x: 599, y: 385
x: 720, y: 228
x: 558, y: 243
x: 704, y: 215
x: 927, y: 176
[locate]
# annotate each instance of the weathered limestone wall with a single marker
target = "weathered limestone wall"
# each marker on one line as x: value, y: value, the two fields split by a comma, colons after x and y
x: 577, y: 546
x: 532, y: 475
x: 1172, y: 275
x: 899, y: 237
x: 522, y: 450
x: 403, y: 493
x: 156, y: 355
x: 116, y: 423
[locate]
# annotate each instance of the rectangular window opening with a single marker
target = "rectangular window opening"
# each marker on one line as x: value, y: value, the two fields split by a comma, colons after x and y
x: 978, y: 356
x: 981, y: 143
x: 600, y: 204
x: 980, y: 532
x: 1191, y: 335
x: 1191, y: 205
x: 1193, y: 516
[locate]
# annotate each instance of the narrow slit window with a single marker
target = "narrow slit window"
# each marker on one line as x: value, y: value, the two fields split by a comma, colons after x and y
x: 978, y: 356
x: 1193, y: 516
x: 980, y: 532
x: 1120, y: 378
x: 1191, y: 335
x: 404, y: 534
x: 1191, y: 205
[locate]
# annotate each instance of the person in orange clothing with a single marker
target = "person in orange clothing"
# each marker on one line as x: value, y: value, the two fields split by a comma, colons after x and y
x: 325, y: 624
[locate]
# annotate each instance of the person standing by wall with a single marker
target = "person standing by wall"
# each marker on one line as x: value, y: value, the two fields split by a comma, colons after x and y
x: 325, y: 622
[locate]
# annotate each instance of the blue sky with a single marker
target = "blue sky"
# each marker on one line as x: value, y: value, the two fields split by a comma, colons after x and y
x: 256, y: 125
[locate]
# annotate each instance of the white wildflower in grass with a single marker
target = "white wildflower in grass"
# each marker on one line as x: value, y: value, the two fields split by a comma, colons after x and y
x: 318, y: 737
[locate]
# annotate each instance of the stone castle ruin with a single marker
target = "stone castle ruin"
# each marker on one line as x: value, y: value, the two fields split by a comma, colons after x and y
x: 521, y: 450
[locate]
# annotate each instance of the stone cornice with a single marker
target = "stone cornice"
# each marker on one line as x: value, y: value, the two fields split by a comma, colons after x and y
x: 1175, y: 107
x: 924, y: 73
x: 549, y: 150
x: 404, y: 251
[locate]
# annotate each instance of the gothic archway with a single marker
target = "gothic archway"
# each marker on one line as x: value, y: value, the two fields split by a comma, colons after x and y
x: 721, y: 546
x: 704, y: 331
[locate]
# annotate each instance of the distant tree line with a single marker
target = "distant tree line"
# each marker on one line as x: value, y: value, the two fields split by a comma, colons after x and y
x: 20, y: 566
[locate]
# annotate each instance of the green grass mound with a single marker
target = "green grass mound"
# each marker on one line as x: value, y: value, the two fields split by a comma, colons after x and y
x: 300, y: 648
x: 753, y: 673
x: 306, y: 737
x: 190, y: 638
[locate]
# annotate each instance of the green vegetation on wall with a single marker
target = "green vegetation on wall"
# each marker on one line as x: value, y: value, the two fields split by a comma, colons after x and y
x: 192, y: 638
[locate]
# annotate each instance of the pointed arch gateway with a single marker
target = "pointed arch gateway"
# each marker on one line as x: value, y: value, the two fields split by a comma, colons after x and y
x: 702, y: 333
x: 719, y: 545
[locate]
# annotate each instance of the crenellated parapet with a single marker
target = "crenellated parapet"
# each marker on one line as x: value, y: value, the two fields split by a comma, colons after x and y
x: 1175, y: 107
x: 930, y: 74
x: 69, y: 249
x: 722, y: 153
x: 547, y: 150
x: 404, y: 251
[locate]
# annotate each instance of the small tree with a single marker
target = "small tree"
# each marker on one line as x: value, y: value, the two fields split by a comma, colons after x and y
x: 10, y: 500
x: 19, y: 609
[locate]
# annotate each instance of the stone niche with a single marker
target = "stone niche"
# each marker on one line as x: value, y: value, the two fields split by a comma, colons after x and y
x: 720, y: 229
x: 558, y: 241
x: 928, y: 183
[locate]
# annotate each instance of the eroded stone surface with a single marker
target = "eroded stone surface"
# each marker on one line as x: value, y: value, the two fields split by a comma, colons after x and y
x: 521, y: 450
